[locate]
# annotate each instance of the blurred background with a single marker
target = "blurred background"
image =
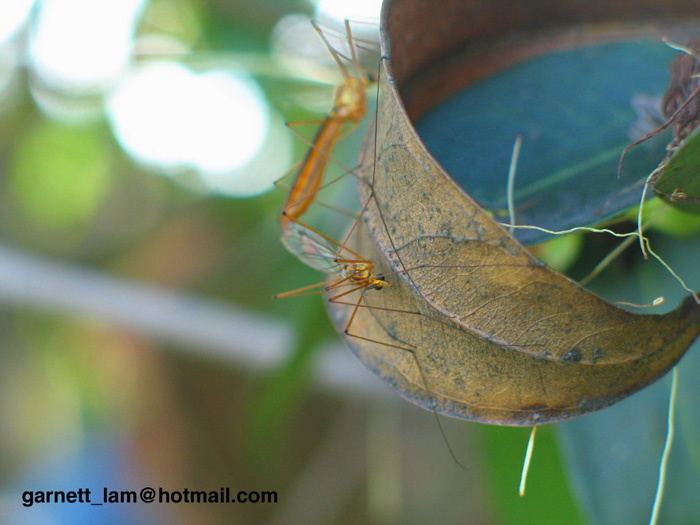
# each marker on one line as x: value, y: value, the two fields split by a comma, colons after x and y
x: 139, y: 344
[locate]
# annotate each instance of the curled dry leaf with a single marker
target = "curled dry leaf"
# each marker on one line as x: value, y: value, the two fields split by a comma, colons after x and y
x: 497, y: 336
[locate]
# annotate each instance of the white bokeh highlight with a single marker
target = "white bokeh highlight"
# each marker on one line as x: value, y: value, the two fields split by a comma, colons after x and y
x: 172, y: 119
x: 83, y: 45
x: 13, y: 15
x: 341, y: 10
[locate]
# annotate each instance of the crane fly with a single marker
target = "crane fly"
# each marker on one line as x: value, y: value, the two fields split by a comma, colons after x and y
x: 310, y: 245
x: 356, y: 273
x: 349, y: 107
x: 359, y: 275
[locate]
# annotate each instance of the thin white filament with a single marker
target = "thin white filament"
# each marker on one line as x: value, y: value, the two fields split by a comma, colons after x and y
x: 511, y: 179
x: 653, y: 520
x: 526, y: 463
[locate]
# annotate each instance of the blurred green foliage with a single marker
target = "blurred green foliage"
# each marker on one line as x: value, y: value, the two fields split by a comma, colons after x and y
x: 60, y: 174
x: 680, y: 175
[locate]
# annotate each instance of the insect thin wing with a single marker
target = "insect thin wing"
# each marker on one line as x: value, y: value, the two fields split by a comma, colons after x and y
x: 310, y: 248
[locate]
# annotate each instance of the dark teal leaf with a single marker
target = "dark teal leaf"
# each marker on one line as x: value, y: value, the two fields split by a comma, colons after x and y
x: 613, y: 455
x: 576, y: 111
x: 682, y: 173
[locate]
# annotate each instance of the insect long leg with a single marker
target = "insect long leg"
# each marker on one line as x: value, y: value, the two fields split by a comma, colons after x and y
x: 337, y: 55
x: 299, y: 292
x: 412, y: 352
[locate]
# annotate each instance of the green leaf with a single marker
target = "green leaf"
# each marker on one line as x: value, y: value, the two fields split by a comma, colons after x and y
x: 671, y: 221
x: 575, y: 116
x: 547, y: 498
x: 613, y: 455
x: 682, y: 173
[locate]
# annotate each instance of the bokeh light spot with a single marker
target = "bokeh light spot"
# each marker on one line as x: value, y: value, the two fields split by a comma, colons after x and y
x: 340, y: 10
x: 172, y: 119
x: 13, y: 15
x: 83, y: 45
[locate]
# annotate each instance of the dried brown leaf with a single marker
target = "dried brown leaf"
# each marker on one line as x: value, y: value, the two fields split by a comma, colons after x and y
x: 500, y: 337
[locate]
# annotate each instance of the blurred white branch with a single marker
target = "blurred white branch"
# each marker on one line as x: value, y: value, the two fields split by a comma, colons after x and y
x: 193, y: 324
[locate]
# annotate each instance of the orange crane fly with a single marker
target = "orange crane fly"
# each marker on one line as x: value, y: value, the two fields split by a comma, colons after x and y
x: 349, y: 107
